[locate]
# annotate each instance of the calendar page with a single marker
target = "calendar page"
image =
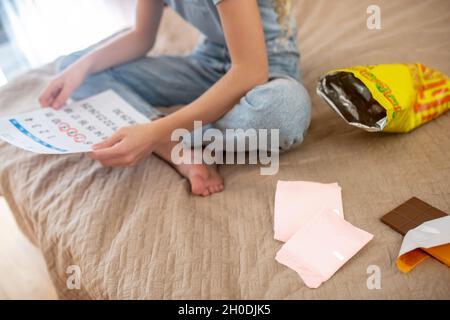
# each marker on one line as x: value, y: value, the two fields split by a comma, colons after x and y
x: 71, y: 129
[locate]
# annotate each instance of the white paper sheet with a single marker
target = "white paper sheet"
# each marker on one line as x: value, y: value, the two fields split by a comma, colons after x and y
x: 429, y: 234
x: 72, y: 129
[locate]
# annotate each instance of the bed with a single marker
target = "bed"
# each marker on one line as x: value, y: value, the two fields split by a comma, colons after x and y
x: 137, y: 233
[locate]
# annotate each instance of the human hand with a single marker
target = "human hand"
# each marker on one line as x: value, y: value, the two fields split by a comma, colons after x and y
x: 127, y: 147
x: 62, y: 86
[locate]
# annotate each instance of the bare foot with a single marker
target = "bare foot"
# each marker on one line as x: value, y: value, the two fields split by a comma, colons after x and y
x: 205, y: 180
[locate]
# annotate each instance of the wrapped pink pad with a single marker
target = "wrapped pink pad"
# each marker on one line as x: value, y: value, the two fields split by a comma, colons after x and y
x: 298, y: 201
x: 321, y: 247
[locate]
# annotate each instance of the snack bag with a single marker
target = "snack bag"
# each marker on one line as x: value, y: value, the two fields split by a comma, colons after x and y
x: 390, y: 98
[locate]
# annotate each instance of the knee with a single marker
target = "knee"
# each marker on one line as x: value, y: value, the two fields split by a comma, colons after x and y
x: 282, y: 104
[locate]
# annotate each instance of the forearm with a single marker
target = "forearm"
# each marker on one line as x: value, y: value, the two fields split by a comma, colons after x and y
x: 124, y: 48
x: 216, y: 102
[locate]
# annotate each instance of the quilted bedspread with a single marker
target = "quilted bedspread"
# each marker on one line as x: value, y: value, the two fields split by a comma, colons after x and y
x: 138, y: 233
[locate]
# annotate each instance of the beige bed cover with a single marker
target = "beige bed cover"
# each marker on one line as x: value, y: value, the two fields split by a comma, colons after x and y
x: 138, y: 233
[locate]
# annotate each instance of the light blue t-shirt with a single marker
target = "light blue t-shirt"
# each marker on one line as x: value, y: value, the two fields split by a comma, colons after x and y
x: 203, y: 15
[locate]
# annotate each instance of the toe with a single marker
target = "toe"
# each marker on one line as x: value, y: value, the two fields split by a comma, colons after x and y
x: 213, y: 189
x: 198, y: 185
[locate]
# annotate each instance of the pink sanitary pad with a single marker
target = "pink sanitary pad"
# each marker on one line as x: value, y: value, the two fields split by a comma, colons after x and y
x: 321, y: 246
x: 298, y: 201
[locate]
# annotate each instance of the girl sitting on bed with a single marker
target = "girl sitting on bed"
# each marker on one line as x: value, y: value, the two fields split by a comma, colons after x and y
x: 243, y: 75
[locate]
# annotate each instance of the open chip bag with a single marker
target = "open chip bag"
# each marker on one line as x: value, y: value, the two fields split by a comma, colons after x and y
x: 387, y: 97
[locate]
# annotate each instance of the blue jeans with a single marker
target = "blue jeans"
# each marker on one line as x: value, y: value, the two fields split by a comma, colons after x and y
x: 283, y: 103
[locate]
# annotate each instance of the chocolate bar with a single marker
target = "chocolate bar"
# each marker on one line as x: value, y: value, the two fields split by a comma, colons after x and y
x: 410, y: 215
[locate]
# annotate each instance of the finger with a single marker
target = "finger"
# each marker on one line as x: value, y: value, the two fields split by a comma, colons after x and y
x: 62, y: 97
x: 127, y: 161
x: 120, y: 161
x: 108, y: 143
x: 48, y: 96
x: 108, y: 153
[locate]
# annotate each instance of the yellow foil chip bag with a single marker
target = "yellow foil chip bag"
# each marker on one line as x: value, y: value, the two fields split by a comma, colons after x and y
x: 390, y: 97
